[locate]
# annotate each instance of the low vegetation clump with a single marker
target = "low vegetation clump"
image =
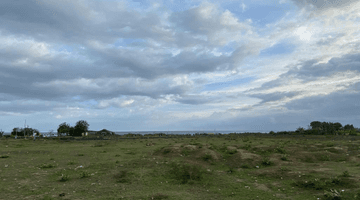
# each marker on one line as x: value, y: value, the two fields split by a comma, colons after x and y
x: 84, y: 174
x: 185, y: 173
x: 122, y: 177
x: 45, y: 166
x: 4, y: 156
x: 64, y: 177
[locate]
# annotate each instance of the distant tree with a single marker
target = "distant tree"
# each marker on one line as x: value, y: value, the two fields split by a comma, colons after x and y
x: 63, y: 129
x: 1, y: 133
x: 300, y: 130
x: 348, y: 127
x: 105, y: 132
x: 81, y: 127
x: 316, y: 125
x: 337, y: 126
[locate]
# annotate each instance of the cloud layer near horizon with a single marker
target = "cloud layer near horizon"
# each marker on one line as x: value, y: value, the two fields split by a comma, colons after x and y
x: 198, y: 65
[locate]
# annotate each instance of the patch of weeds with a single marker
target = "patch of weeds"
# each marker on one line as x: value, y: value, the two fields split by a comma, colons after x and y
x: 308, y: 159
x: 284, y: 157
x: 323, y: 157
x: 117, y: 162
x: 4, y: 156
x: 284, y: 169
x: 207, y: 157
x: 245, y: 139
x: 246, y: 147
x: 185, y: 173
x: 47, y: 197
x: 71, y: 163
x: 98, y: 144
x: 103, y: 151
x: 166, y: 150
x: 117, y: 155
x: 131, y: 153
x: 233, y: 151
x: 80, y: 154
x: 266, y: 161
x: 345, y: 174
x: 84, y: 174
x: 280, y: 150
x: 231, y: 170
x: 64, y: 177
x: 121, y: 177
x: 245, y: 166
x: 52, y: 159
x: 185, y: 152
x: 45, y: 166
x: 330, y: 144
x: 159, y: 196
x: 333, y: 194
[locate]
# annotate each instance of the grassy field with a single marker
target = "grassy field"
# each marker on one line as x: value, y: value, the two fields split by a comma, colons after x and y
x: 221, y: 167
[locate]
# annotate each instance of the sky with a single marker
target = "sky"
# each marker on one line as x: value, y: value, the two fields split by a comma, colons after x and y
x: 153, y: 65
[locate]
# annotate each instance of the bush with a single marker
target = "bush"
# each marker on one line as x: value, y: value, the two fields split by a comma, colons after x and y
x: 84, y: 174
x: 284, y: 157
x: 266, y: 161
x: 245, y: 166
x: 280, y: 150
x: 332, y: 195
x: 346, y: 174
x: 64, y: 177
x: 45, y: 166
x: 4, y: 156
x: 185, y: 173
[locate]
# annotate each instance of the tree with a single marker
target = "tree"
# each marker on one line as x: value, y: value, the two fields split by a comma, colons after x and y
x: 316, y: 125
x: 348, y: 127
x: 300, y: 130
x: 63, y: 129
x: 1, y: 133
x: 105, y: 132
x: 337, y: 126
x: 80, y: 127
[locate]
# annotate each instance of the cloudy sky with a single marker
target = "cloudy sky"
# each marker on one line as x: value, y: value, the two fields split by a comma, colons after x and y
x: 153, y: 65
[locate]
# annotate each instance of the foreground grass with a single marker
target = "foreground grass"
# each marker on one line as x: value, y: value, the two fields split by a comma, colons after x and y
x: 245, y: 167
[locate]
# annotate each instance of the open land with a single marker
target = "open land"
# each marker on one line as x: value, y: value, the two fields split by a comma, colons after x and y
x: 239, y: 166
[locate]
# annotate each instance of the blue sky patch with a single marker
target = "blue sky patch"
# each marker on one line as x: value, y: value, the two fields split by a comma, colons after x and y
x: 225, y: 84
x: 279, y: 48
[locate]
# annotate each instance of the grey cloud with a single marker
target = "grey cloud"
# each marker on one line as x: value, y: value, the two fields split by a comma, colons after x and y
x: 324, y: 4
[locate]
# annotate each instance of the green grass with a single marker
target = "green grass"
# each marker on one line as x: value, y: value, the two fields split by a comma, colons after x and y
x: 218, y: 167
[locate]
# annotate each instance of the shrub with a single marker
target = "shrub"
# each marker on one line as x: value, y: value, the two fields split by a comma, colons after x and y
x: 245, y: 166
x: 84, y: 174
x: 266, y: 161
x: 280, y: 150
x: 44, y: 166
x: 121, y: 177
x: 185, y: 152
x: 4, y: 156
x: 185, y: 173
x: 64, y: 177
x: 80, y: 154
x: 284, y: 157
x: 207, y: 157
x: 332, y: 195
x: 346, y: 174
x: 71, y: 162
x: 233, y: 151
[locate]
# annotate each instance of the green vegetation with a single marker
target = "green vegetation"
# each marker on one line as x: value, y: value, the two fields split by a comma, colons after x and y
x: 272, y: 166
